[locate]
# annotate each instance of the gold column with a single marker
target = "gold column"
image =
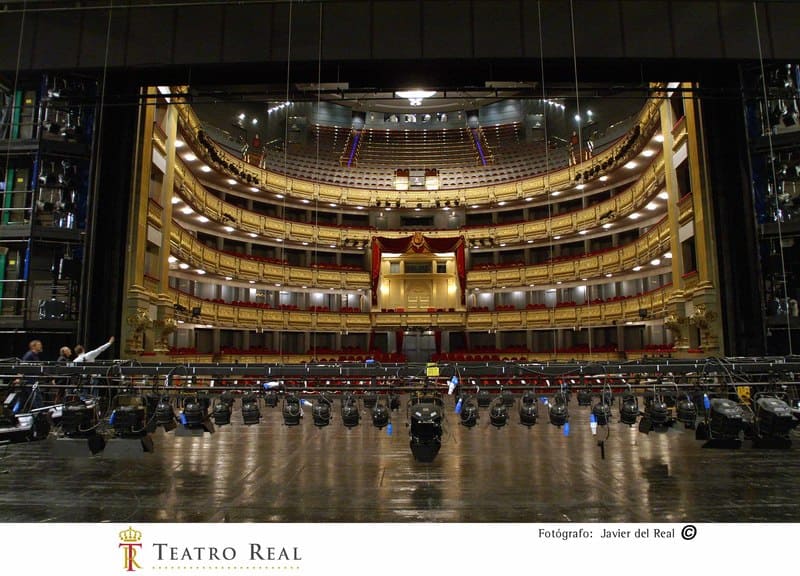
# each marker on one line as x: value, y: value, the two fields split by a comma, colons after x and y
x: 165, y: 324
x: 136, y: 299
x: 675, y: 320
x: 705, y: 298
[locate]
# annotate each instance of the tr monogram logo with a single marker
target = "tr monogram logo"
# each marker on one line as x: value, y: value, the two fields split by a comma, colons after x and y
x: 131, y: 543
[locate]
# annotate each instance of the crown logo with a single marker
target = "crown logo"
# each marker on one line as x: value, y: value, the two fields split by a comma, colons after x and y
x: 130, y: 535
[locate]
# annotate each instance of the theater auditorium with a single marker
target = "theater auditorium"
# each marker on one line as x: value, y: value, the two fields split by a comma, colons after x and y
x: 399, y: 261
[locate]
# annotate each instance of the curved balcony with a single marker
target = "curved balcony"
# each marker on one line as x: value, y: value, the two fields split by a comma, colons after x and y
x: 563, y: 179
x: 652, y: 244
x: 221, y: 315
x: 187, y: 248
x: 635, y: 197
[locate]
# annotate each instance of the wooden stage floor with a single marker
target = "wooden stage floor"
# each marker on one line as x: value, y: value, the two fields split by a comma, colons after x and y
x: 273, y: 473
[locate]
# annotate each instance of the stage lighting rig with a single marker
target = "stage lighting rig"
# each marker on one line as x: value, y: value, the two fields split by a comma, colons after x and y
x: 425, y: 414
x: 773, y: 419
x: 194, y: 416
x: 292, y: 410
x: 628, y: 408
x: 723, y: 422
x: 656, y: 416
x: 350, y: 412
x: 498, y: 412
x: 558, y: 410
x: 686, y: 412
x: 369, y: 399
x: 484, y: 398
x: 223, y: 408
x: 19, y: 422
x: 251, y: 414
x: 584, y: 397
x: 380, y: 415
x: 602, y: 413
x: 79, y: 416
x: 128, y: 420
x: 165, y: 414
x: 468, y: 412
x: 528, y: 409
x: 321, y: 411
x: 272, y: 390
x: 507, y: 396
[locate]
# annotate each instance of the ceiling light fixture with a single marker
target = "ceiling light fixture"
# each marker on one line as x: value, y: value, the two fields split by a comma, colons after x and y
x: 415, y: 97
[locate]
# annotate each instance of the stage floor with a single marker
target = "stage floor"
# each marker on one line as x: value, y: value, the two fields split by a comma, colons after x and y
x: 274, y: 473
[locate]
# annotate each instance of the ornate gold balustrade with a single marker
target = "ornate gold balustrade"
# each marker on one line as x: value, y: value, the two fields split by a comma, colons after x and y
x: 634, y: 198
x: 246, y: 318
x: 184, y: 246
x: 563, y: 179
x: 653, y: 244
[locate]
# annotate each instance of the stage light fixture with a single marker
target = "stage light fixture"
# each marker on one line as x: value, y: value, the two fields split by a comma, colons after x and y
x: 129, y: 420
x: 194, y: 416
x: 469, y: 412
x: 725, y: 419
x: 773, y: 419
x: 223, y: 409
x: 321, y: 411
x: 128, y: 416
x: 629, y: 408
x: 251, y: 414
x: 292, y: 410
x: 271, y: 398
x: 484, y: 398
x: 602, y: 413
x: 498, y: 413
x: 686, y: 412
x: 425, y: 425
x: 165, y: 414
x: 584, y: 397
x: 528, y: 409
x: 350, y: 412
x: 656, y: 416
x: 558, y: 411
x: 79, y: 417
x: 380, y: 415
x: 369, y: 399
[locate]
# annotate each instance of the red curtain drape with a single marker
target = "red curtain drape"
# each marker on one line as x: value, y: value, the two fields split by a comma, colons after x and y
x: 376, y: 269
x: 398, y: 341
x: 437, y: 339
x: 418, y: 244
x: 461, y: 267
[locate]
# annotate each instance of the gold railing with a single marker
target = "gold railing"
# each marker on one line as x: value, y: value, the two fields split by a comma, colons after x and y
x: 653, y: 244
x: 186, y: 247
x: 563, y: 179
x: 246, y: 318
x: 636, y: 196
